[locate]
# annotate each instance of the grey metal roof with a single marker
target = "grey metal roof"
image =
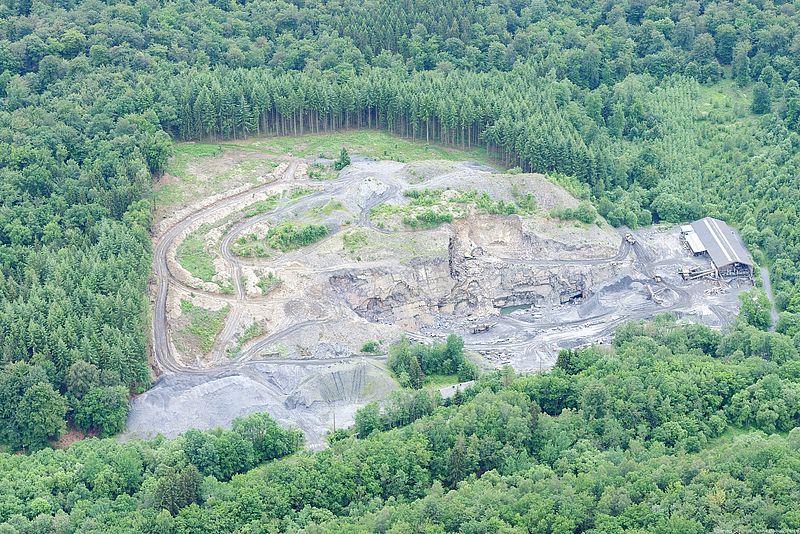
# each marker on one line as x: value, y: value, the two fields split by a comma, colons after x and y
x: 694, y: 243
x: 722, y: 242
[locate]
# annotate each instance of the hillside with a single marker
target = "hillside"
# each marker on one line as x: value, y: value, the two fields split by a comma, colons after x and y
x: 672, y: 429
x: 189, y: 189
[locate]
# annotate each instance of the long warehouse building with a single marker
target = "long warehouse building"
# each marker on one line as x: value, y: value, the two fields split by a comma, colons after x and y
x: 722, y: 244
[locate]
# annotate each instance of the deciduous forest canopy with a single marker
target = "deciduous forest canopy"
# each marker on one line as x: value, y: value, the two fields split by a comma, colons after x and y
x: 652, y: 110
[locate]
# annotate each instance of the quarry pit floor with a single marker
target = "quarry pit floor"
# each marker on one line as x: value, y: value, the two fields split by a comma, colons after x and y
x: 419, y: 249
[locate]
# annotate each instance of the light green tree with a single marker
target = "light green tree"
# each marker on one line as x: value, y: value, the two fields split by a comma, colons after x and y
x: 40, y: 416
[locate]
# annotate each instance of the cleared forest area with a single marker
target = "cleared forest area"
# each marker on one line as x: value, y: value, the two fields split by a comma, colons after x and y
x: 306, y: 272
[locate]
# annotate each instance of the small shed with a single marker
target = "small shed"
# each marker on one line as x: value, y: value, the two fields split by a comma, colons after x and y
x: 695, y: 245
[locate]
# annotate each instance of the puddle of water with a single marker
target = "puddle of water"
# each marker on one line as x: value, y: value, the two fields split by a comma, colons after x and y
x: 506, y: 310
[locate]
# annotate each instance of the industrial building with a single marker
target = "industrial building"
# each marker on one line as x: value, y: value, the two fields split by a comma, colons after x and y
x: 722, y: 244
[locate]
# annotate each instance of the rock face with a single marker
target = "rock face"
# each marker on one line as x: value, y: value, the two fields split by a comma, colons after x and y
x: 405, y: 296
x: 486, y: 285
x: 491, y: 263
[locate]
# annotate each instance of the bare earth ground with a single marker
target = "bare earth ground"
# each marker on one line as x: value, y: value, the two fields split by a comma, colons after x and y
x: 518, y: 288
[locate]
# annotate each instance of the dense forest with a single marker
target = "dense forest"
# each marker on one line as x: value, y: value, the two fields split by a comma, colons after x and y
x: 651, y: 110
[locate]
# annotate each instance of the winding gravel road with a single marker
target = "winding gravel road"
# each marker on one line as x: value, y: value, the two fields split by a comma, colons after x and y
x: 163, y: 353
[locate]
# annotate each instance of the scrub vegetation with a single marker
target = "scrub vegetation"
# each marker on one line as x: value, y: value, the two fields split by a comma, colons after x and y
x: 429, y: 208
x: 202, y: 324
x: 193, y: 256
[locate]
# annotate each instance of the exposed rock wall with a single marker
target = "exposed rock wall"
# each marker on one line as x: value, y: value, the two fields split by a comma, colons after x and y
x: 472, y: 279
x: 405, y: 296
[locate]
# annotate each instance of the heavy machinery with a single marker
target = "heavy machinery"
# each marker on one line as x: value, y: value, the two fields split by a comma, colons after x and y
x: 482, y: 327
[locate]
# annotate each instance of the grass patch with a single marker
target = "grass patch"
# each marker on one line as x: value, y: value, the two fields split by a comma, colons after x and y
x: 251, y: 332
x: 424, y: 211
x: 371, y: 347
x: 484, y: 202
x: 192, y: 256
x: 291, y: 236
x: 204, y: 324
x: 321, y: 172
x: 182, y: 154
x: 354, y: 240
x: 494, y: 207
x: 168, y: 194
x: 429, y: 208
x: 385, y: 210
x: 427, y: 219
x: 328, y: 208
x: 268, y: 283
x: 189, y: 187
x: 526, y: 204
x: 197, y: 150
x: 250, y: 246
x: 262, y: 206
x: 299, y: 192
x: 369, y: 143
x: 424, y: 197
x: 437, y: 381
x: 245, y: 167
x: 284, y: 237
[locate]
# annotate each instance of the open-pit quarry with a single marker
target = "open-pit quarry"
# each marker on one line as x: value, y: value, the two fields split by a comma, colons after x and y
x: 298, y: 273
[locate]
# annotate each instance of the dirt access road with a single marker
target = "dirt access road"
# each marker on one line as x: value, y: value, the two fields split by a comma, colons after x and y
x: 163, y: 350
x: 773, y: 310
